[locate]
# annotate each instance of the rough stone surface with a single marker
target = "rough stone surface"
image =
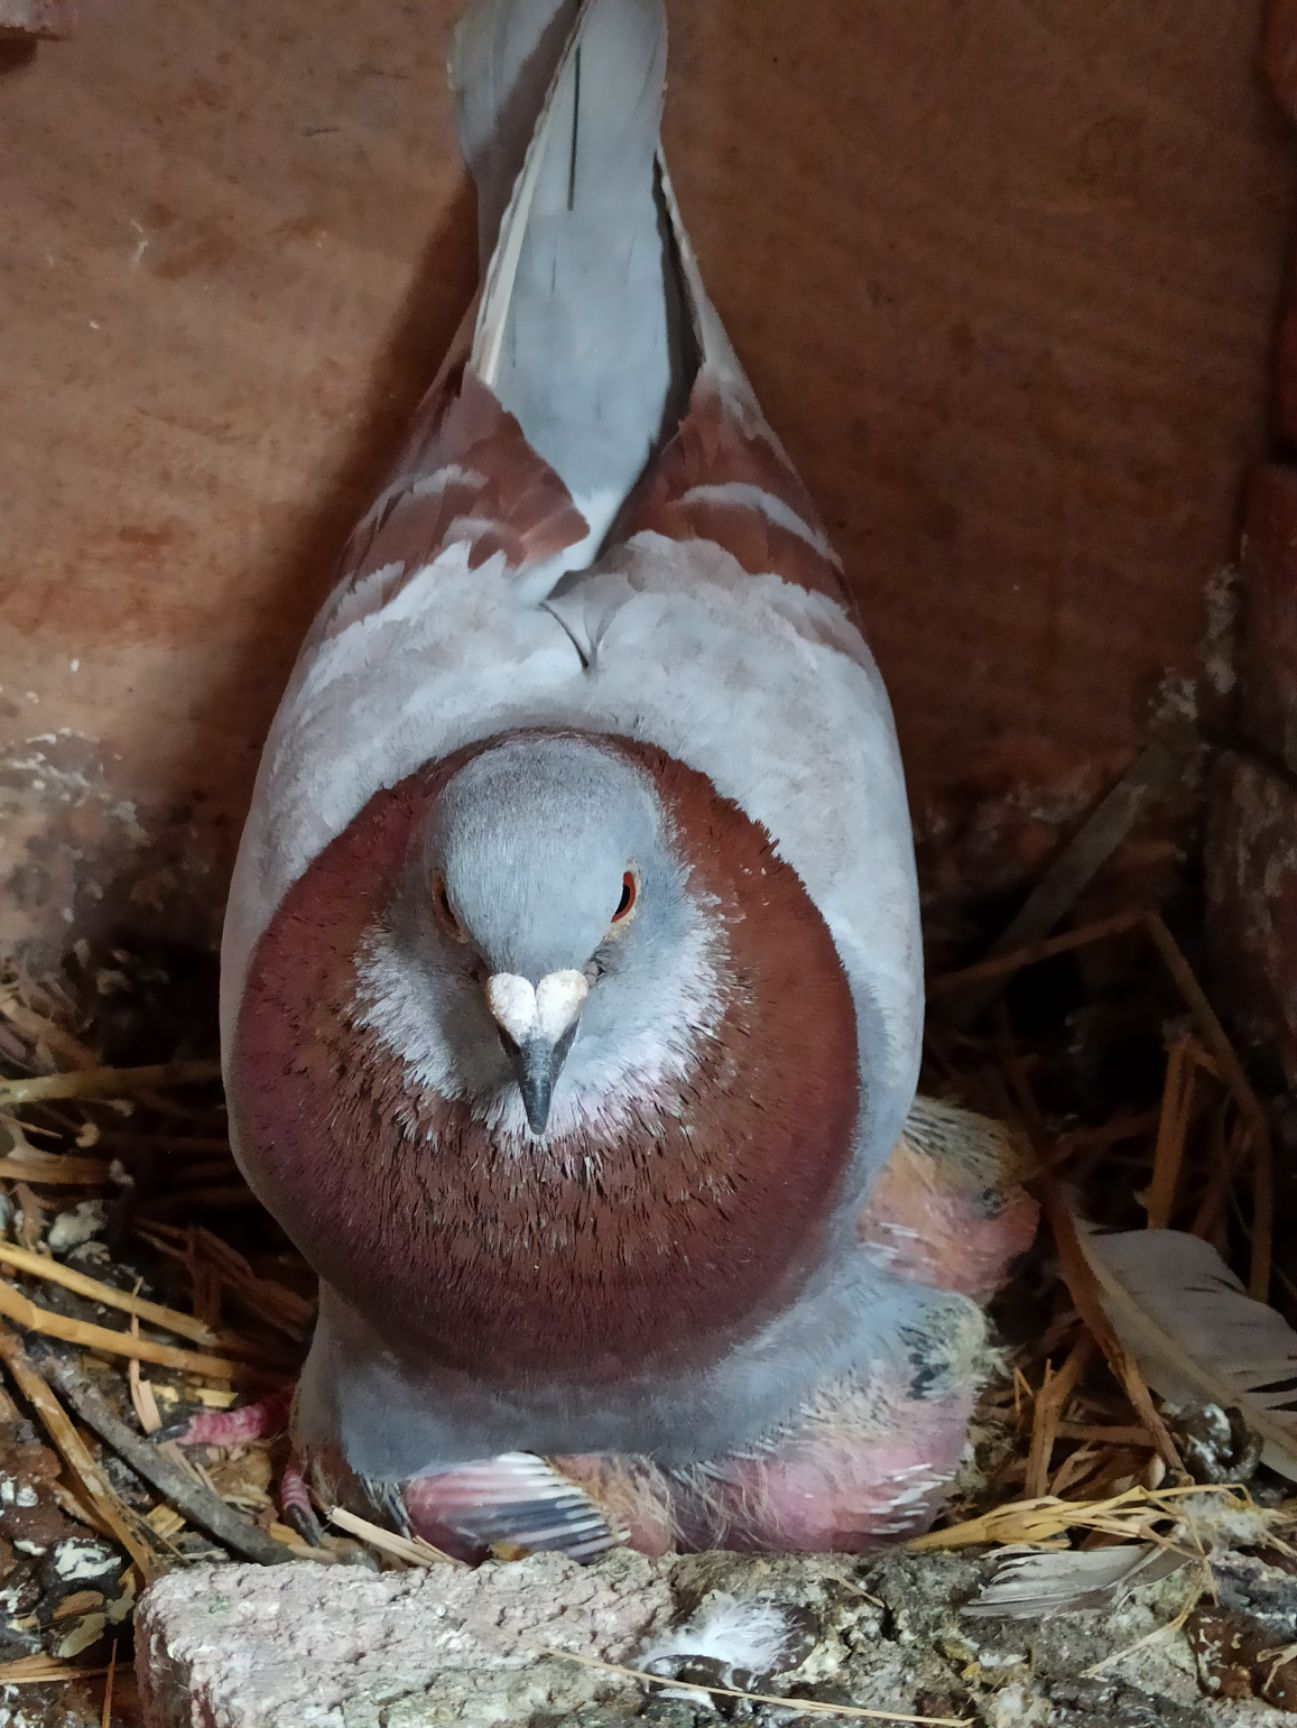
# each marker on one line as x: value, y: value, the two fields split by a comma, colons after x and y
x: 316, y: 1647
x: 1252, y: 905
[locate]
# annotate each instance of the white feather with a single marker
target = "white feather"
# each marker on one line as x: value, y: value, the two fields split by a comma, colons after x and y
x: 765, y: 504
x: 1196, y: 1333
x: 742, y: 1635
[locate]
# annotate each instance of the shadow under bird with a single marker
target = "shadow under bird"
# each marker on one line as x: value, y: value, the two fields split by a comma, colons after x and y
x: 572, y: 993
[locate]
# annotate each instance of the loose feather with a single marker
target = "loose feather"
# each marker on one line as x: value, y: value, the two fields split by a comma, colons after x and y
x: 745, y: 1637
x: 1196, y: 1333
x: 1030, y: 1585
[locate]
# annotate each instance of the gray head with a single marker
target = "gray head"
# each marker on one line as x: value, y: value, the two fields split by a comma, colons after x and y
x: 553, y: 897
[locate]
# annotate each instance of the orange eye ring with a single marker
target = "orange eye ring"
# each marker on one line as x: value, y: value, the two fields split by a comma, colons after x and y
x: 629, y: 895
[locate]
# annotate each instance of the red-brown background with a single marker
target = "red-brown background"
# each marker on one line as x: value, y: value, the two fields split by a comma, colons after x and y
x: 1004, y: 272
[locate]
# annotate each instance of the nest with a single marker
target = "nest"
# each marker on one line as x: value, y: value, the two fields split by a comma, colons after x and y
x: 117, y: 1312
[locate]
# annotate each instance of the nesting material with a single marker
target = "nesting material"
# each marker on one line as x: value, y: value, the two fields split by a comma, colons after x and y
x: 1093, y: 1479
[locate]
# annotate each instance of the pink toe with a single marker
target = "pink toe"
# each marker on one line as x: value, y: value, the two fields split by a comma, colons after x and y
x: 259, y: 1421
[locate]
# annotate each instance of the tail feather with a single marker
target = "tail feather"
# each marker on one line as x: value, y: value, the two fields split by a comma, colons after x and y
x: 502, y: 63
x: 579, y: 330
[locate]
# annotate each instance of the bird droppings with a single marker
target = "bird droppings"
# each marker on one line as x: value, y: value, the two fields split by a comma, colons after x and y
x: 77, y: 1226
x: 79, y: 1559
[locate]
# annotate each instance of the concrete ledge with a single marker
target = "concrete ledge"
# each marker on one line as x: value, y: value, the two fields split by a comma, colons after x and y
x: 315, y: 1647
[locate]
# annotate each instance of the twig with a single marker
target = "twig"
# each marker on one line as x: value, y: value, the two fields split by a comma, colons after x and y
x: 1040, y: 1523
x: 412, y: 1549
x: 1155, y: 771
x: 802, y: 1706
x: 197, y: 1504
x: 25, y: 1313
x: 72, y: 1448
x: 43, y: 1671
x: 1234, y: 1074
x: 105, y: 1082
x: 38, y: 1028
x: 1051, y: 1403
x: 1085, y: 1293
x: 107, y: 1295
x: 1102, y: 930
x: 56, y: 1169
x: 106, y: 1714
x: 1173, y: 1126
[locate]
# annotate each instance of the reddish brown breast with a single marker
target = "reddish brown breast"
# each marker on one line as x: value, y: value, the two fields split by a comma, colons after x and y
x: 584, y: 1256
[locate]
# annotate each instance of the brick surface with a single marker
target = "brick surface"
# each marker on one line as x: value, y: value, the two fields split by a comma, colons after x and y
x: 328, y: 1647
x: 238, y: 1646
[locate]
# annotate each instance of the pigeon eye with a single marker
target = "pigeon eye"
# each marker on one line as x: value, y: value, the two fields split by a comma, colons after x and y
x: 629, y: 895
x: 449, y: 923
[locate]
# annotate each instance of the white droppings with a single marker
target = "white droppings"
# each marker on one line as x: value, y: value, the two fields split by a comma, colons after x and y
x: 77, y: 1225
x: 80, y: 1558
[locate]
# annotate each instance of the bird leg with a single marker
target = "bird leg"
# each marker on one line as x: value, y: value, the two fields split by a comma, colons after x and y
x: 295, y: 1506
x: 261, y: 1420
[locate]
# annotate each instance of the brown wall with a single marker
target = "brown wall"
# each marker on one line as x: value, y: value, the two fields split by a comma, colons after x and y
x: 1004, y: 273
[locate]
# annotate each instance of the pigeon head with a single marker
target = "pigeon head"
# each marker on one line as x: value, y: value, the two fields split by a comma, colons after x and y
x: 550, y: 938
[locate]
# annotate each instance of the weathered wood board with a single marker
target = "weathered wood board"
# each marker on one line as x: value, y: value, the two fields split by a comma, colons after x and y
x: 1004, y: 273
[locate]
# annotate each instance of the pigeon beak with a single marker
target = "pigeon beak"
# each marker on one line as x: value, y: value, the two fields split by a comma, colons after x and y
x: 537, y: 1025
x: 536, y: 1066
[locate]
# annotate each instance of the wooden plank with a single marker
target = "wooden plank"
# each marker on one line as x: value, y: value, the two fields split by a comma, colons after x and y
x: 1004, y: 275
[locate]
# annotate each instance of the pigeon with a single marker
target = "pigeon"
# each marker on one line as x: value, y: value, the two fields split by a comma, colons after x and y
x: 571, y: 979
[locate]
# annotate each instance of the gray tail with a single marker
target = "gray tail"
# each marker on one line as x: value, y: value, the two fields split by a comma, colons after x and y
x: 580, y: 331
